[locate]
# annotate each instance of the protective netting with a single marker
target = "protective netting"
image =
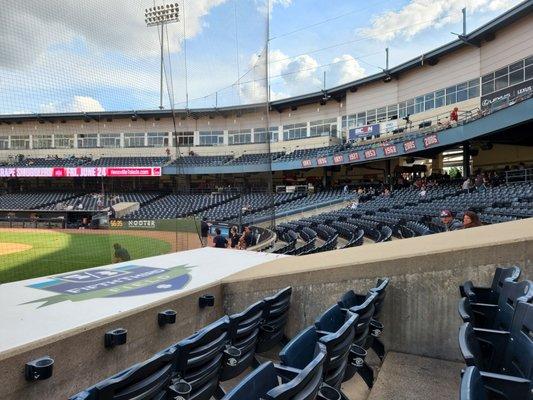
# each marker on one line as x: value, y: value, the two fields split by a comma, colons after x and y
x: 100, y: 87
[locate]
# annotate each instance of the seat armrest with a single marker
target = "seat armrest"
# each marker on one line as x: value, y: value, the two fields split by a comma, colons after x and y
x: 512, y: 387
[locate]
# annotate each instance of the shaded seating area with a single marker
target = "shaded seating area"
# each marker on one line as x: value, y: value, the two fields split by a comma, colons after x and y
x: 496, y: 338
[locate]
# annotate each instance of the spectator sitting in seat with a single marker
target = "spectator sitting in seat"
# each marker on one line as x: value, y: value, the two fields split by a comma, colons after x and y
x: 448, y: 222
x: 219, y: 241
x: 471, y: 220
x: 121, y: 254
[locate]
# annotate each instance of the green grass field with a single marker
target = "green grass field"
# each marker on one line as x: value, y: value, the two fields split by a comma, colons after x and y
x: 55, y: 252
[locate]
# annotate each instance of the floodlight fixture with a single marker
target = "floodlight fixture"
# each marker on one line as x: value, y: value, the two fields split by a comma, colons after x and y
x: 160, y: 16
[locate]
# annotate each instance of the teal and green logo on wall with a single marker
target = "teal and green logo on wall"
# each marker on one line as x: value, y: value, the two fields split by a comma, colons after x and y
x: 124, y: 281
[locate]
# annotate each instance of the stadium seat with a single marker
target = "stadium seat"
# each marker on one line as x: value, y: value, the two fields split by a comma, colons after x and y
x: 264, y: 382
x: 364, y: 307
x: 497, y: 316
x: 474, y: 386
x: 271, y: 331
x: 501, y: 352
x: 243, y: 332
x: 489, y: 295
x: 199, y: 359
x: 335, y: 330
x: 148, y: 380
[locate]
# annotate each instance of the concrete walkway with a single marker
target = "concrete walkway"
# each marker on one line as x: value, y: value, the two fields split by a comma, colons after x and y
x: 409, y: 377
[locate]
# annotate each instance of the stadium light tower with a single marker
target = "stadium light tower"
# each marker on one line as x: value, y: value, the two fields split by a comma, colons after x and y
x: 161, y: 16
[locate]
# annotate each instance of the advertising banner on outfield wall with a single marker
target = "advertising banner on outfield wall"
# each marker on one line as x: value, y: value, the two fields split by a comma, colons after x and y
x: 71, y: 172
x: 189, y: 224
x: 507, y: 97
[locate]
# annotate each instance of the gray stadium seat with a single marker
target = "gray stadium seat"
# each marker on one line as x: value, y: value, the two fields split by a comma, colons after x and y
x: 271, y: 331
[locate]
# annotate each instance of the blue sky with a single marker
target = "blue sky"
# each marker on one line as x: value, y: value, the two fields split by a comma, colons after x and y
x: 96, y: 55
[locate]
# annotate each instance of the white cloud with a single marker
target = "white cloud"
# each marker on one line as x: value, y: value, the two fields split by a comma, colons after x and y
x: 292, y: 76
x: 263, y: 4
x: 29, y: 29
x: 85, y: 104
x: 345, y: 69
x: 419, y: 15
x: 76, y: 104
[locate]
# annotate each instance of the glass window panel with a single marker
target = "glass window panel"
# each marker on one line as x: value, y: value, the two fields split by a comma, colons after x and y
x: 516, y: 66
x: 516, y: 77
x: 392, y: 111
x: 462, y: 95
x: 134, y: 140
x: 501, y: 83
x: 88, y: 141
x: 157, y: 139
x: 451, y: 98
x: 63, y: 141
x: 20, y: 142
x: 487, y: 78
x: 488, y: 87
x: 429, y: 101
x: 529, y: 72
x: 501, y: 72
x: 419, y: 104
x: 528, y: 61
x: 473, y: 91
x: 109, y: 140
x: 42, y: 141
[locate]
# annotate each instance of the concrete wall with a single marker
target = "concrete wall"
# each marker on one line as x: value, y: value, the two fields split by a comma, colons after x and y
x: 81, y: 360
x: 420, y: 314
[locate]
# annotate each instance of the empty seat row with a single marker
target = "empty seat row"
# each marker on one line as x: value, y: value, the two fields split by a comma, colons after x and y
x: 496, y: 338
x: 311, y: 366
x: 194, y: 367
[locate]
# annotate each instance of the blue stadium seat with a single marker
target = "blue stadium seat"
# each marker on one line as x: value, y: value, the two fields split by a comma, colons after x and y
x: 145, y: 381
x: 497, y: 316
x: 364, y: 307
x: 476, y: 385
x: 509, y: 353
x: 489, y: 295
x: 199, y: 359
x: 263, y: 382
x: 243, y: 332
x: 271, y: 331
x: 335, y: 330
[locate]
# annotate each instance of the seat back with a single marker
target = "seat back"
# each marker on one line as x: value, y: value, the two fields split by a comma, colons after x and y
x: 144, y: 381
x: 336, y: 330
x: 380, y: 289
x: 256, y: 384
x: 306, y: 384
x: 364, y: 307
x: 199, y: 358
x: 275, y: 317
x: 502, y: 274
x: 472, y: 385
x: 243, y: 332
x: 519, y: 351
x: 511, y: 293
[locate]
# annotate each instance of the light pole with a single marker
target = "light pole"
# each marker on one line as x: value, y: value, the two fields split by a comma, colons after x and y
x: 160, y: 16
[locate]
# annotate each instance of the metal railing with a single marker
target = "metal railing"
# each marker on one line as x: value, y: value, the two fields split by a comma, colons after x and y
x: 519, y: 175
